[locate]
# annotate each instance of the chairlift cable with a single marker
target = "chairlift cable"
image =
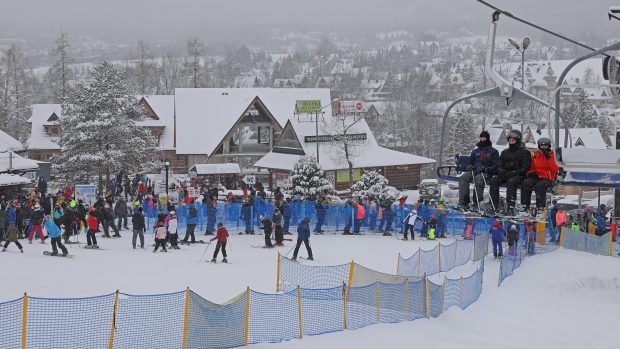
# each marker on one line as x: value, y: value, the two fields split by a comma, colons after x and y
x: 510, y: 15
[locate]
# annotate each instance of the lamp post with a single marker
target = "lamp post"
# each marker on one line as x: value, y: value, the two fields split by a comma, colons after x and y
x: 167, y: 165
x: 521, y: 48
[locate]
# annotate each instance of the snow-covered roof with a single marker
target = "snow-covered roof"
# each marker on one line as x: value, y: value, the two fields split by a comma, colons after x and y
x: 39, y: 139
x: 9, y: 143
x: 368, y: 154
x: 590, y: 137
x: 163, y: 107
x: 209, y: 169
x: 7, y: 179
x: 16, y: 162
x: 205, y: 115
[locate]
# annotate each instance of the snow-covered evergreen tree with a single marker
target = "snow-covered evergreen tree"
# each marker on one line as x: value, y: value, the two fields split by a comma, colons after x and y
x: 374, y: 185
x: 462, y: 137
x: 308, y: 178
x: 100, y: 134
x: 580, y: 113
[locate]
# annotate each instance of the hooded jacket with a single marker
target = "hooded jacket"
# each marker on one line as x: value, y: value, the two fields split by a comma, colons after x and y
x: 484, y: 156
x: 543, y: 167
x: 514, y: 161
x: 497, y: 231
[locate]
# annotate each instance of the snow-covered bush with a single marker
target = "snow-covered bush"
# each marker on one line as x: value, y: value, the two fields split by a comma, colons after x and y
x: 375, y: 186
x: 308, y: 178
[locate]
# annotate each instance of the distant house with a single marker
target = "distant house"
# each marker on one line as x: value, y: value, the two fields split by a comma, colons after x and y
x: 589, y: 138
x: 284, y: 83
x: 44, y: 131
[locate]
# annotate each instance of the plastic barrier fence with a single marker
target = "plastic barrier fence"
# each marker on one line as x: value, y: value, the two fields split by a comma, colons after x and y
x: 580, y: 241
x: 337, y: 217
x: 186, y: 320
x: 514, y: 256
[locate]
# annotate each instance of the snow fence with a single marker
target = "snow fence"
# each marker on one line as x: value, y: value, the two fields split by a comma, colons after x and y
x: 442, y: 258
x: 186, y: 320
x: 337, y: 216
x: 580, y: 241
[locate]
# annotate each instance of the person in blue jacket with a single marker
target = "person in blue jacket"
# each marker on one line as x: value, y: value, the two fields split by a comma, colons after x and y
x: 321, y: 212
x: 53, y: 231
x: 497, y: 237
x: 12, y: 232
x: 601, y: 225
x: 348, y: 216
x: 191, y: 221
x: 388, y: 215
x: 303, y: 235
x: 246, y: 215
x: 424, y: 212
x: 286, y: 215
x: 483, y: 162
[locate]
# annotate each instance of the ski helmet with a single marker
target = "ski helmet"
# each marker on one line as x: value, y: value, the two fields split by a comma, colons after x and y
x: 515, y: 134
x: 544, y: 141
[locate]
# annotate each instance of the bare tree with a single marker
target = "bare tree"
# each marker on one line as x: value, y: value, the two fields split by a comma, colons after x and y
x: 15, y: 92
x: 60, y: 73
x: 194, y: 67
x: 169, y: 73
x: 144, y: 68
x: 344, y: 144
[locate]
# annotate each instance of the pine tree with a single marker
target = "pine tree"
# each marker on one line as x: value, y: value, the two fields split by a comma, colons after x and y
x: 462, y: 136
x: 308, y: 178
x: 100, y: 134
x: 375, y: 186
x: 580, y: 113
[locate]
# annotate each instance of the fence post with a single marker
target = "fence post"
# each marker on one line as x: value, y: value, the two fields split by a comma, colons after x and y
x: 186, y: 318
x: 113, y: 328
x: 24, y: 319
x: 443, y: 293
x: 439, y: 258
x: 398, y: 264
x: 419, y: 260
x: 461, y: 293
x: 247, y: 316
x: 406, y: 299
x: 426, y: 297
x: 378, y: 301
x: 351, y: 270
x: 278, y: 275
x: 299, y: 311
x: 344, y: 305
x: 611, y: 252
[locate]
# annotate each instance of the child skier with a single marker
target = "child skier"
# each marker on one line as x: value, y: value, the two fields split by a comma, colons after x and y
x: 497, y: 237
x: 432, y: 226
x: 93, y: 225
x: 303, y: 235
x: 222, y: 238
x: 513, y: 239
x: 530, y: 237
x: 160, y: 237
x: 54, y: 232
x: 172, y: 231
x: 268, y: 227
x: 469, y: 228
x: 12, y: 232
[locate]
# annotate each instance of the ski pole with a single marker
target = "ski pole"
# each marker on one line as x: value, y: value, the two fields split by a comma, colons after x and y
x: 473, y: 178
x: 485, y: 184
x: 289, y: 251
x: 204, y: 253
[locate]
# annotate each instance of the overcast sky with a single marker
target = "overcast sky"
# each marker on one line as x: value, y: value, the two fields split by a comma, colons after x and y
x: 183, y: 18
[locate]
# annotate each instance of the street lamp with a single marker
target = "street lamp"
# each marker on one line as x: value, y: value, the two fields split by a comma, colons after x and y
x: 167, y: 165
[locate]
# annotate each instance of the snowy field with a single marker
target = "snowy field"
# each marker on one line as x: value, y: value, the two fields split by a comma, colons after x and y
x: 562, y: 299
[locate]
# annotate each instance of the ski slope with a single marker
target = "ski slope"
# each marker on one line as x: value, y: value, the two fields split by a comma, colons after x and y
x: 561, y: 299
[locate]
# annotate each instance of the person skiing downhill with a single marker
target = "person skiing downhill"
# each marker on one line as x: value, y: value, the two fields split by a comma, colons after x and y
x: 483, y: 163
x: 222, y: 238
x: 303, y: 236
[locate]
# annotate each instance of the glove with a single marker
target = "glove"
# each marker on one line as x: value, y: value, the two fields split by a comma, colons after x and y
x: 482, y: 169
x: 469, y: 168
x: 501, y: 173
x: 532, y: 175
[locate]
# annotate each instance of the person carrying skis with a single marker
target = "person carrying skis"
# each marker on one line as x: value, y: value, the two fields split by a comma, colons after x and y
x: 409, y: 223
x: 221, y: 237
x: 268, y: 228
x: 277, y: 223
x: 12, y: 233
x: 539, y: 178
x: 513, y: 163
x: 172, y: 231
x: 303, y: 236
x: 138, y: 226
x: 160, y: 237
x: 497, y: 237
x: 53, y: 231
x: 93, y: 225
x: 483, y: 162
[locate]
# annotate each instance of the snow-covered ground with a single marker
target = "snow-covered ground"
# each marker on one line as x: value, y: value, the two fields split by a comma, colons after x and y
x: 564, y: 299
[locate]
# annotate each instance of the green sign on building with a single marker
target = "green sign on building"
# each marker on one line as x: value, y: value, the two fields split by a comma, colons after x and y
x: 307, y: 106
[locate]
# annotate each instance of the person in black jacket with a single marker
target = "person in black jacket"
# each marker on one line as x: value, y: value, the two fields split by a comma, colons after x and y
x: 139, y: 227
x: 268, y: 227
x: 483, y: 162
x: 513, y: 163
x: 108, y: 222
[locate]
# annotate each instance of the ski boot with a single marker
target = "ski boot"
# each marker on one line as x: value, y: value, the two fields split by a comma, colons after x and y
x: 20, y: 250
x: 224, y: 260
x: 4, y: 250
x: 310, y: 258
x: 65, y: 253
x: 405, y: 238
x: 54, y: 253
x: 213, y: 260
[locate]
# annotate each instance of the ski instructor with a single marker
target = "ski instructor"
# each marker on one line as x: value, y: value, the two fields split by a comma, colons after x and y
x: 483, y: 162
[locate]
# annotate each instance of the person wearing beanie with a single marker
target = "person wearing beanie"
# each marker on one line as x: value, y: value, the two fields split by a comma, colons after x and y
x: 542, y: 174
x: 497, y: 237
x: 513, y: 239
x: 483, y: 162
x: 513, y: 164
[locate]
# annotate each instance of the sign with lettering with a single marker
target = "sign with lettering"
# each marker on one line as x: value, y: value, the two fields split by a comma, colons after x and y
x: 307, y: 106
x: 336, y: 138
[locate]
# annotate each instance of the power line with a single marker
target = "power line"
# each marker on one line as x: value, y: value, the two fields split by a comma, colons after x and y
x: 510, y: 15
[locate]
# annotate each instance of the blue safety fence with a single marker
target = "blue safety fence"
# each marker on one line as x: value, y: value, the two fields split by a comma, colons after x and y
x: 212, y: 325
x: 461, y: 292
x: 516, y: 254
x: 11, y: 315
x: 315, y: 304
x: 585, y: 242
x: 273, y: 317
x: 336, y: 217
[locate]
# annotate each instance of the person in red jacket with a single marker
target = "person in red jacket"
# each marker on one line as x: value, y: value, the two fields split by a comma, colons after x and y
x: 93, y: 225
x: 540, y: 177
x: 222, y: 238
